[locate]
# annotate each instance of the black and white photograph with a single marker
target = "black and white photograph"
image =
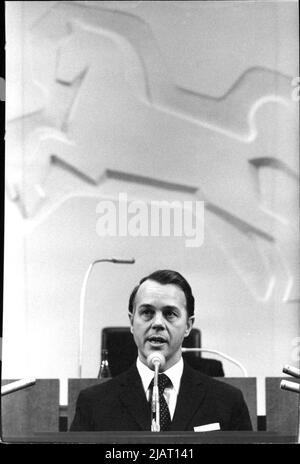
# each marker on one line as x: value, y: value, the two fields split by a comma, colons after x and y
x: 151, y: 225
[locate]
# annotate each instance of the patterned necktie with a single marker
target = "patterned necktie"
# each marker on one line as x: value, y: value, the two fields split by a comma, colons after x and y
x: 165, y: 418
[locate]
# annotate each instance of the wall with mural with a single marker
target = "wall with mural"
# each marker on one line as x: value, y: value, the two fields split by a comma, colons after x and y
x: 149, y: 101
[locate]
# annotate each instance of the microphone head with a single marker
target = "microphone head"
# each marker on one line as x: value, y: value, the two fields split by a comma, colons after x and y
x: 290, y: 386
x: 156, y: 358
x: 291, y: 370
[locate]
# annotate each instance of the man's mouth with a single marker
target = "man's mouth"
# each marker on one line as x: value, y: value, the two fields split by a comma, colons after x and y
x: 156, y: 340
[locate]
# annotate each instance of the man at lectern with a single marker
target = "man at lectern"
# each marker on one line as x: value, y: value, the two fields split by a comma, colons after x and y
x: 161, y: 313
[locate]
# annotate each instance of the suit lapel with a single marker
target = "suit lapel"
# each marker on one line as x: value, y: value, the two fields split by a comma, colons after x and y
x: 134, y: 399
x: 191, y: 395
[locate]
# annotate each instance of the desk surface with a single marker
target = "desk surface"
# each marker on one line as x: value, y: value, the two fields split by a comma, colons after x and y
x: 154, y: 438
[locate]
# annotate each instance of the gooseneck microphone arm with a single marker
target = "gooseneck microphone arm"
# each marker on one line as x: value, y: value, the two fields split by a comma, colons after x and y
x: 219, y: 353
x: 82, y: 299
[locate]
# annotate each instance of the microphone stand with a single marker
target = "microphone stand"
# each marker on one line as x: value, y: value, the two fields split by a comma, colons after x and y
x: 82, y: 300
x: 155, y: 406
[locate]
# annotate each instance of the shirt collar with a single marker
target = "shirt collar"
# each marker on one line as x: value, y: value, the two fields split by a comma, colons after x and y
x: 174, y: 373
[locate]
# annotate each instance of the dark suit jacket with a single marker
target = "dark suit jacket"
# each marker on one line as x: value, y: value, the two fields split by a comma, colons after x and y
x: 121, y: 405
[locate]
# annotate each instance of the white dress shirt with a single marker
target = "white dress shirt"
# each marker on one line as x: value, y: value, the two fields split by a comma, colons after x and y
x: 174, y: 373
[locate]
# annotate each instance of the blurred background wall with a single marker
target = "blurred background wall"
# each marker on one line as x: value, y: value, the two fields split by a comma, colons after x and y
x: 167, y: 101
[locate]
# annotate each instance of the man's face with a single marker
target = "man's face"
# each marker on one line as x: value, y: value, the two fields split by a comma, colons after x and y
x: 160, y: 321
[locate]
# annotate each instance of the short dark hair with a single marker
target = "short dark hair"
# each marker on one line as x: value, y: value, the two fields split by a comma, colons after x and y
x: 165, y: 277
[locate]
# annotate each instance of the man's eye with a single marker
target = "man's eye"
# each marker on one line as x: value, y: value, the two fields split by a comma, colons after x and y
x: 147, y: 312
x: 171, y: 314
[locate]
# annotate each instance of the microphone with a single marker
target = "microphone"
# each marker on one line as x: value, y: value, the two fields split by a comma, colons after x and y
x: 291, y: 370
x: 156, y: 359
x: 290, y: 386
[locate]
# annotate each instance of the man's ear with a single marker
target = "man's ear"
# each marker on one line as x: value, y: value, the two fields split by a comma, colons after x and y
x: 130, y: 315
x: 189, y: 326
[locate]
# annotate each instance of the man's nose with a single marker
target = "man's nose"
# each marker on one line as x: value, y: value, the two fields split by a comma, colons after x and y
x: 158, y: 320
